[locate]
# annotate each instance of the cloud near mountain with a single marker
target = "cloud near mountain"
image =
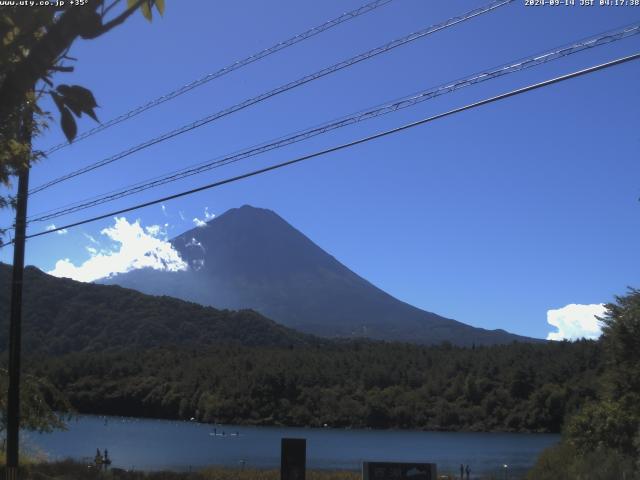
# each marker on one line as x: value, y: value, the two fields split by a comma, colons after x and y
x: 252, y: 258
x: 135, y: 247
x: 575, y: 321
x: 199, y: 222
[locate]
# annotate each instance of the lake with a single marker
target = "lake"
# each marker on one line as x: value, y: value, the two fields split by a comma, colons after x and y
x: 144, y: 444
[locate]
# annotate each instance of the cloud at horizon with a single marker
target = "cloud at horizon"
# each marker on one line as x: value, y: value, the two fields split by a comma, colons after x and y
x: 575, y: 321
x: 133, y: 247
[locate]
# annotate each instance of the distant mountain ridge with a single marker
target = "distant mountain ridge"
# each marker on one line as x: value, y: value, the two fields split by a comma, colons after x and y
x: 252, y: 258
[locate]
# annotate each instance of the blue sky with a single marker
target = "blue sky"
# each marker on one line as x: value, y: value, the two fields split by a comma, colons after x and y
x: 492, y: 217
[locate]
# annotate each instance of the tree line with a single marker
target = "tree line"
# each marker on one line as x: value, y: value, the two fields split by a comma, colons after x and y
x: 517, y: 387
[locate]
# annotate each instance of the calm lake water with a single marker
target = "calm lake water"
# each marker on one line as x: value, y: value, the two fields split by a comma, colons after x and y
x: 144, y: 444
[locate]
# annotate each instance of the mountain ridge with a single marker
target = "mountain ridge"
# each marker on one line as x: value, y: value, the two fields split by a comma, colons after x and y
x: 61, y: 315
x: 250, y: 257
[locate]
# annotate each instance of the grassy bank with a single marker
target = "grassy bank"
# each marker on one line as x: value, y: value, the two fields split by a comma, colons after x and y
x: 68, y: 469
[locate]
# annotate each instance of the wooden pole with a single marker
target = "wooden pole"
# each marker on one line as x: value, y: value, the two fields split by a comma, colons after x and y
x: 15, y: 321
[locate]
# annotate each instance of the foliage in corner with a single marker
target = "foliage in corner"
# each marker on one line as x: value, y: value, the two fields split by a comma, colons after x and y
x: 35, y: 44
x: 602, y: 440
x: 40, y: 404
x: 147, y: 7
x: 34, y: 47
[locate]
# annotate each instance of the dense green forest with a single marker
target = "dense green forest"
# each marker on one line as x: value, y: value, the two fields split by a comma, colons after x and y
x: 62, y: 316
x: 111, y: 350
x: 517, y: 387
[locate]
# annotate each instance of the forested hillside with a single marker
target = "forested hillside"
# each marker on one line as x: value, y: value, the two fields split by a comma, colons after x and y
x: 117, y: 351
x: 519, y: 387
x: 62, y: 316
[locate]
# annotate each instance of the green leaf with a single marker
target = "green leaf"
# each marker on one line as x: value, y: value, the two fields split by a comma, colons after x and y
x: 16, y: 148
x: 146, y: 10
x: 131, y: 3
x: 160, y: 6
x: 82, y: 95
x: 69, y: 101
x: 68, y: 123
x: 57, y: 99
x: 92, y: 114
x: 79, y: 99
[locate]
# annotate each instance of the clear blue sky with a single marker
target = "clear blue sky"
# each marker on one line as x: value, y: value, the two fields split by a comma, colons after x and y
x: 491, y: 217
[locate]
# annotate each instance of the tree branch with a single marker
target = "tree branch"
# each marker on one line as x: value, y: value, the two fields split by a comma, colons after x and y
x: 106, y: 10
x: 59, y: 37
x: 50, y: 47
x: 120, y: 18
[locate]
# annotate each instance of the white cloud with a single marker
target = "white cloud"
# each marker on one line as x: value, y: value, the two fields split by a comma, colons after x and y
x: 53, y: 227
x: 182, y: 217
x: 207, y: 216
x: 159, y: 231
x: 575, y: 321
x: 133, y: 249
x: 153, y: 230
x: 91, y: 239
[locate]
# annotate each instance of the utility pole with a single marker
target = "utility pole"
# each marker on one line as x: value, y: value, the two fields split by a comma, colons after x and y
x: 15, y: 321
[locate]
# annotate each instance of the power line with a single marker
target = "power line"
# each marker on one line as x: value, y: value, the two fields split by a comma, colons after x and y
x: 283, y: 88
x: 228, y: 69
x: 407, y: 126
x: 373, y: 112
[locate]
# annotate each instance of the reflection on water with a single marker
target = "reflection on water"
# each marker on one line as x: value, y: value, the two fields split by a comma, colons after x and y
x: 144, y: 444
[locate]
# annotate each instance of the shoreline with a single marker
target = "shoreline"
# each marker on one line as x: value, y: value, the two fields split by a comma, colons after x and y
x: 159, y: 444
x: 313, y: 427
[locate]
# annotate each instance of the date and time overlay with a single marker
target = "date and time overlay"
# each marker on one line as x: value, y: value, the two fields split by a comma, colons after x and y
x: 581, y: 3
x: 526, y: 3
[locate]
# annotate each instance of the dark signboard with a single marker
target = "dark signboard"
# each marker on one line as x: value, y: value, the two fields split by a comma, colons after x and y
x: 398, y: 471
x: 293, y: 459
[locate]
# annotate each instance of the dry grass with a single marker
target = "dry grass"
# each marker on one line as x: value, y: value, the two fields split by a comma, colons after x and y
x: 248, y: 474
x: 70, y: 470
x: 73, y: 470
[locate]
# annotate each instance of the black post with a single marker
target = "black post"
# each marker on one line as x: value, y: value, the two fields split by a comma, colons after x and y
x: 15, y: 327
x: 293, y: 459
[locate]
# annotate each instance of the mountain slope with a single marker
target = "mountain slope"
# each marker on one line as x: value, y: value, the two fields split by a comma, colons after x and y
x: 62, y: 316
x: 252, y: 258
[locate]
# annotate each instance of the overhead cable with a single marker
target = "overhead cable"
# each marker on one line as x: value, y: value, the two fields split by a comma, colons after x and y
x: 225, y: 70
x: 283, y: 88
x: 343, y: 146
x: 484, y: 75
